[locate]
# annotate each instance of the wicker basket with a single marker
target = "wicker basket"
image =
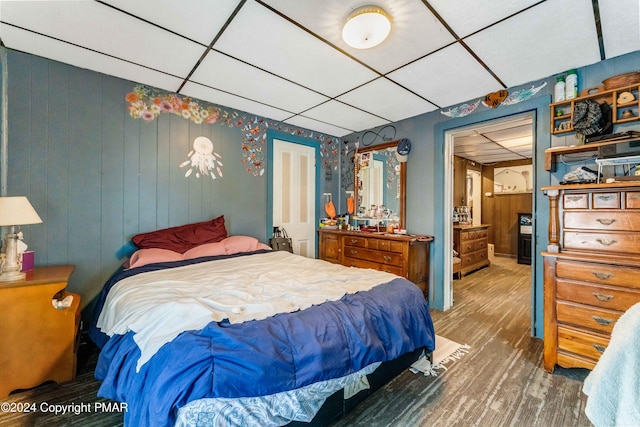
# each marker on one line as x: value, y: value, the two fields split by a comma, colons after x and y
x: 622, y: 80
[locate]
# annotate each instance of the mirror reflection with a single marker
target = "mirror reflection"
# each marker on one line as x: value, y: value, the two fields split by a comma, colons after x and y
x: 379, y: 184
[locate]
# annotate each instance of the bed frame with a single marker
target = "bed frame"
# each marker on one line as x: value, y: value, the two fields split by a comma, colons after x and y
x: 336, y: 407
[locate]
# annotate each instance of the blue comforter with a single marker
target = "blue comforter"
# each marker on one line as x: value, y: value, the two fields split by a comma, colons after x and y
x: 256, y: 358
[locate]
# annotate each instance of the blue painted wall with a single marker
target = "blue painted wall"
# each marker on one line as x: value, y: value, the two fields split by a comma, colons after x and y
x: 425, y: 168
x: 97, y: 176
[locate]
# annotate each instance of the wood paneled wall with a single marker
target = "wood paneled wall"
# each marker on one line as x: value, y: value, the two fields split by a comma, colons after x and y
x: 501, y: 211
x: 97, y: 176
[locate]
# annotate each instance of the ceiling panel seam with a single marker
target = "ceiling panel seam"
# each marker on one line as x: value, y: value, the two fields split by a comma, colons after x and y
x: 148, y: 22
x: 90, y: 50
x: 210, y: 47
x: 463, y: 44
x: 596, y: 18
x: 343, y: 52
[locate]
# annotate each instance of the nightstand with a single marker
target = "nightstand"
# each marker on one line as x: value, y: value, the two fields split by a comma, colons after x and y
x: 39, y: 341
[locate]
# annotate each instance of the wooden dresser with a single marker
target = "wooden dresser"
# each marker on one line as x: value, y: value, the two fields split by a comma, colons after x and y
x: 39, y: 341
x: 591, y: 269
x: 471, y: 243
x: 403, y: 255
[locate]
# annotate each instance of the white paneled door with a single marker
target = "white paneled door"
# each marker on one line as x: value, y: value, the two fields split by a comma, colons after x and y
x: 294, y: 186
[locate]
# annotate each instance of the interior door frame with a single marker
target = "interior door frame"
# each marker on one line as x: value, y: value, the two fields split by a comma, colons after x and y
x: 293, y: 139
x: 443, y: 279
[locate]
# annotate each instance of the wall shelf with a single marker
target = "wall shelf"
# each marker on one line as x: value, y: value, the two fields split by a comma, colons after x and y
x: 551, y: 153
x: 562, y: 112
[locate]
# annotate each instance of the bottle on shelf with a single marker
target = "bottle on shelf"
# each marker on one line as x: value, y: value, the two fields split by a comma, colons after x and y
x: 559, y: 89
x: 571, y: 85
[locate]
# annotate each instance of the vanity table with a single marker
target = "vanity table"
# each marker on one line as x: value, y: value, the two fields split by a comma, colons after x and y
x: 379, y: 180
x: 400, y: 254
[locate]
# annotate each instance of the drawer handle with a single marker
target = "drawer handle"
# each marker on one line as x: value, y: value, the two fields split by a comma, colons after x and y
x: 602, y: 297
x: 606, y: 221
x: 603, y: 320
x: 354, y: 240
x: 386, y: 258
x: 574, y: 198
x: 468, y: 246
x: 599, y: 347
x: 605, y: 197
x: 353, y: 252
x: 602, y: 276
x: 606, y: 242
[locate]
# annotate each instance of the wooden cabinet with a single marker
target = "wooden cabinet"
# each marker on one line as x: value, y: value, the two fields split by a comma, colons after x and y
x: 591, y: 269
x: 562, y: 112
x: 471, y: 243
x: 403, y: 255
x: 39, y: 341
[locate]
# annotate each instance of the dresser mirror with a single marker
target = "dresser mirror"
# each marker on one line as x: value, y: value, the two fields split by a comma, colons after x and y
x: 380, y: 180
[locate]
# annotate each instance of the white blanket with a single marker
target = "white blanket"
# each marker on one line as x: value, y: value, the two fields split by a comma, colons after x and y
x: 613, y: 386
x: 159, y: 305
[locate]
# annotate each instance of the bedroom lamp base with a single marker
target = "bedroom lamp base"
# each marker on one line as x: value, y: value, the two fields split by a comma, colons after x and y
x: 10, y: 267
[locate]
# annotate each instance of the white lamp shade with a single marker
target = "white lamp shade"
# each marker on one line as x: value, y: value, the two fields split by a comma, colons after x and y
x: 366, y: 27
x: 17, y: 211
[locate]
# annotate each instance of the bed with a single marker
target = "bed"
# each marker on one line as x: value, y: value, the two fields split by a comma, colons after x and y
x: 251, y: 336
x: 613, y: 387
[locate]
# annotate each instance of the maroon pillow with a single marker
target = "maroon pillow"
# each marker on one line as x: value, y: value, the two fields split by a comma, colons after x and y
x: 184, y: 237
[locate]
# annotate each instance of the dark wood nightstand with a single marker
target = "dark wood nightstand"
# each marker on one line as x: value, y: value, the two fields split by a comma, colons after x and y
x: 39, y: 341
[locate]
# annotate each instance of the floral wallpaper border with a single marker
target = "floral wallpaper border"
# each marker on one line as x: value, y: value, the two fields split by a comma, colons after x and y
x: 148, y: 103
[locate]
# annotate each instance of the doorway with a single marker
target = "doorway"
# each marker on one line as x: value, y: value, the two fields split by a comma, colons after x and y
x: 486, y: 147
x: 294, y: 186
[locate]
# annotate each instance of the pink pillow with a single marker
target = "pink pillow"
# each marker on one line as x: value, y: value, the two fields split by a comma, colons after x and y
x: 152, y: 255
x: 208, y: 249
x: 184, y: 237
x: 236, y: 244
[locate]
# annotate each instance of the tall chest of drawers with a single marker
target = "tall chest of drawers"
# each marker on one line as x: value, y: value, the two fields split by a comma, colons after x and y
x: 591, y: 269
x: 471, y: 242
x: 406, y: 256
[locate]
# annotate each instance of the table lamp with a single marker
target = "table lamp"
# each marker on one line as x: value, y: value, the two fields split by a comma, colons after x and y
x: 14, y: 212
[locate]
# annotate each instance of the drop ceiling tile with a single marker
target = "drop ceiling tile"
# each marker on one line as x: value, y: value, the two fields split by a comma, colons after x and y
x: 230, y: 75
x: 510, y: 133
x: 341, y: 115
x: 516, y: 142
x: 413, y: 25
x: 307, y: 123
x: 103, y: 29
x: 386, y: 99
x: 468, y: 16
x: 495, y: 159
x: 447, y: 77
x: 233, y: 102
x: 259, y: 36
x: 199, y: 20
x: 620, y: 22
x: 26, y: 41
x: 539, y: 42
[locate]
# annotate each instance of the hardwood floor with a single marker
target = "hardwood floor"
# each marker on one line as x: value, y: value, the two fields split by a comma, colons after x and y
x: 499, y: 383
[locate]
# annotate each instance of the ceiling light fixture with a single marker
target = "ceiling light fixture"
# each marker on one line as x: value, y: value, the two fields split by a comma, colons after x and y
x: 366, y: 27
